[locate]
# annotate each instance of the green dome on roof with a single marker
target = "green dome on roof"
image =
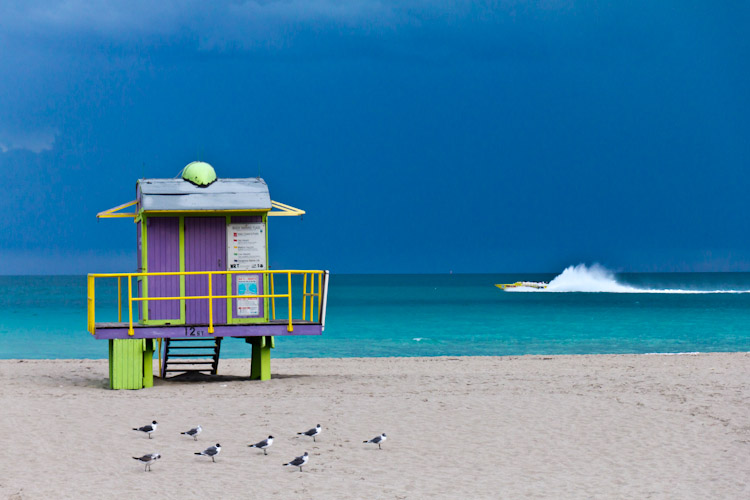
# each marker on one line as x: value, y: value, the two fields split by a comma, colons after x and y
x: 199, y: 173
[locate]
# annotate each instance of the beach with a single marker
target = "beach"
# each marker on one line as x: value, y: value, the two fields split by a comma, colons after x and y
x: 586, y: 426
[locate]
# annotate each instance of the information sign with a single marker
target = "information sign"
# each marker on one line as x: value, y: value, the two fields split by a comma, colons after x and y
x: 246, y: 247
x: 247, y: 285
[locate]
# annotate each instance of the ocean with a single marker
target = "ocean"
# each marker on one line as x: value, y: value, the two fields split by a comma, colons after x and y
x: 583, y: 311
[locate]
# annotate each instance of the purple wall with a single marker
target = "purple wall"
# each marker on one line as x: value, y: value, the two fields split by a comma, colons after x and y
x: 163, y: 244
x: 245, y: 219
x: 205, y: 250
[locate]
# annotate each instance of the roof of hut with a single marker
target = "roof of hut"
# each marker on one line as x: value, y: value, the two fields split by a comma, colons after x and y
x: 178, y: 195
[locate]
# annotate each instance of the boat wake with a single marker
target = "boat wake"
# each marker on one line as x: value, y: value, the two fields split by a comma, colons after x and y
x: 597, y: 278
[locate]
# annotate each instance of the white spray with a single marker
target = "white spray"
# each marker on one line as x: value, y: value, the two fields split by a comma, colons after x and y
x: 597, y: 278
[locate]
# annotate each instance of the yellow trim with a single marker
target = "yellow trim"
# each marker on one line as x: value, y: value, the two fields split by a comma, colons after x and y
x: 304, y: 295
x: 130, y: 308
x: 207, y: 213
x: 131, y: 300
x: 277, y: 209
x: 110, y: 213
x: 119, y: 299
x: 312, y: 294
x: 188, y: 273
x: 92, y: 304
x: 320, y: 295
x: 273, y: 301
x: 289, y: 294
x: 204, y: 297
x: 210, y: 304
x: 284, y: 205
x: 283, y: 209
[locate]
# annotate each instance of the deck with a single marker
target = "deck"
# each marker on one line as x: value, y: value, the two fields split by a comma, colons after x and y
x: 274, y: 328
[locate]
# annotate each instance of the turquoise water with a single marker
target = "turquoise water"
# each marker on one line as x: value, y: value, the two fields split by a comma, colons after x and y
x: 434, y: 315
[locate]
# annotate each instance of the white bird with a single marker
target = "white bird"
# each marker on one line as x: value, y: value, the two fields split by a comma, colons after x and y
x: 312, y: 432
x: 148, y: 429
x: 148, y: 459
x: 263, y: 445
x: 193, y: 432
x: 211, y: 451
x: 378, y: 440
x: 298, y: 462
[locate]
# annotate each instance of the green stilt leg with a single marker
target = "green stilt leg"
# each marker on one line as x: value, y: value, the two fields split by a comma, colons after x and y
x: 260, y: 364
x: 148, y: 363
x: 130, y: 363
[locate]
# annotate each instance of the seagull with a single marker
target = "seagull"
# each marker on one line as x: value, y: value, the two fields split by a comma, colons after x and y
x: 193, y: 432
x: 148, y: 459
x: 298, y: 462
x: 263, y: 445
x: 148, y: 429
x: 211, y: 451
x: 312, y: 432
x: 378, y: 440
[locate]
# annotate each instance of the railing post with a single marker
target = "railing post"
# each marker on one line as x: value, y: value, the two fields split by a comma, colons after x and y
x: 320, y: 293
x: 131, y: 332
x: 304, y: 297
x: 210, y: 304
x: 92, y: 305
x: 273, y: 299
x: 289, y: 295
x: 119, y: 299
x: 312, y: 295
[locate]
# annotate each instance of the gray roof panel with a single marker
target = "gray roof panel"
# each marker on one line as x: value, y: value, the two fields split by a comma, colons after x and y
x: 225, y: 194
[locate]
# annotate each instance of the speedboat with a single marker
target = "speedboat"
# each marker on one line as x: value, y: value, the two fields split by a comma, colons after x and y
x: 524, y: 284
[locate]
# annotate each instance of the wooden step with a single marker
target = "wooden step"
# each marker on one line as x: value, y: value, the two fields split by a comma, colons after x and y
x: 191, y: 363
x: 208, y: 356
x: 187, y: 370
x: 212, y: 346
x: 196, y: 355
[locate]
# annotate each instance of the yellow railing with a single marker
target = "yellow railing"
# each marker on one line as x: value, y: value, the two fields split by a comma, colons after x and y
x: 312, y: 294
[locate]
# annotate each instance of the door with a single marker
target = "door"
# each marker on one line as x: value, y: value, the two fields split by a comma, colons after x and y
x: 205, y: 250
x: 163, y: 254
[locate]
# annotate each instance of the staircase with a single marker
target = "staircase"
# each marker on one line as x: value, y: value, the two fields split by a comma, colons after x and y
x: 191, y: 355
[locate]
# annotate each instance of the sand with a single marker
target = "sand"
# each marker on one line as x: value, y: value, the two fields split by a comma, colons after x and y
x: 625, y: 426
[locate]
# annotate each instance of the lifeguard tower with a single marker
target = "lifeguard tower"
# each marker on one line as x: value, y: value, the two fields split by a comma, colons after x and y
x: 202, y: 276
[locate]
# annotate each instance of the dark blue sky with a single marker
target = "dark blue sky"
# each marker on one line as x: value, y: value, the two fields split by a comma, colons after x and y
x: 419, y: 136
